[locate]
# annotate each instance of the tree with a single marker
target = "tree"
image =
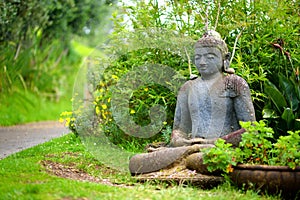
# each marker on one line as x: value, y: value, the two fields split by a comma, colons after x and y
x: 35, y: 37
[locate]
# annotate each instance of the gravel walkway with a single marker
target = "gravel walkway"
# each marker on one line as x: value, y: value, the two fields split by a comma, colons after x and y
x: 20, y: 137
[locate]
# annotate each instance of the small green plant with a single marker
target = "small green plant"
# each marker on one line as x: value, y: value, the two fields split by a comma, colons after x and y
x: 287, y: 150
x: 257, y: 146
x: 222, y: 157
x: 256, y: 143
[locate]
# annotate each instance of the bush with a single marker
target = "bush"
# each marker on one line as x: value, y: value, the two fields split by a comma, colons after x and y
x: 257, y: 147
x: 141, y: 99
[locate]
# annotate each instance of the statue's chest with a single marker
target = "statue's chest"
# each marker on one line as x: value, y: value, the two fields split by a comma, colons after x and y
x: 209, y: 108
x: 205, y: 99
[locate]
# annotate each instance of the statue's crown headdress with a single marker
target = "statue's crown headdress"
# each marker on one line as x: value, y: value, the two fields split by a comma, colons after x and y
x: 212, y: 39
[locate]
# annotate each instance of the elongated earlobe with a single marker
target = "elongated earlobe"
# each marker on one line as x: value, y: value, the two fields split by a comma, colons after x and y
x: 226, y: 64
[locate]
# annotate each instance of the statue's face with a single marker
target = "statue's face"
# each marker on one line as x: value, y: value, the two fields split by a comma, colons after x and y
x: 208, y: 60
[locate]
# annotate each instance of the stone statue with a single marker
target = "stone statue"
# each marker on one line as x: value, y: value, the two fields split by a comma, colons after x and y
x: 208, y: 108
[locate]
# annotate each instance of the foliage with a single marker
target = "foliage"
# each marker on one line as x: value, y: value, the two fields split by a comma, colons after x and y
x: 24, y: 20
x: 35, y: 51
x: 282, y: 109
x: 260, y: 25
x: 286, y: 150
x: 220, y: 158
x: 256, y: 147
x: 256, y: 143
x: 141, y: 99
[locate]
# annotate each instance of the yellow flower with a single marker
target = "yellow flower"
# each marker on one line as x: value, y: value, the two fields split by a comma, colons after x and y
x: 102, y: 84
x: 61, y: 120
x: 66, y: 113
x: 103, y: 115
x: 67, y: 122
x: 97, y: 110
x: 108, y: 100
x: 115, y: 77
x: 132, y: 111
x: 165, y: 123
x: 229, y: 168
x: 104, y: 106
x: 146, y: 89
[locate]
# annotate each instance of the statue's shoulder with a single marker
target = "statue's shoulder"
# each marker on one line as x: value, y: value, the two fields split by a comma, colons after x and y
x: 235, y: 83
x: 232, y: 79
x: 188, y: 84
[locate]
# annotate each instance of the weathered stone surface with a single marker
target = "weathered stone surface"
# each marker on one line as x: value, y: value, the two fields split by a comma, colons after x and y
x: 195, y: 162
x: 163, y: 158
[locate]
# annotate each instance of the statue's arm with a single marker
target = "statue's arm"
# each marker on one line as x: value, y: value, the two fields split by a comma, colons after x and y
x: 182, y: 120
x: 243, y: 105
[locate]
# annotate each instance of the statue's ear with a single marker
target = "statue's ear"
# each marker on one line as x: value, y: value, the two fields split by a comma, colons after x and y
x: 227, y: 56
x: 227, y: 63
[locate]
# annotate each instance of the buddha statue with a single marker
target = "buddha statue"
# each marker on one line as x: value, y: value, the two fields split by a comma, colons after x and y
x: 208, y: 107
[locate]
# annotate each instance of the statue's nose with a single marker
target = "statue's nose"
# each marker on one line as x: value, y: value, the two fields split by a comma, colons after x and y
x: 202, y: 61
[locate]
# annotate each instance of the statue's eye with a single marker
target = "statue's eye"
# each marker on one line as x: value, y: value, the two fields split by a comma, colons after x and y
x: 210, y: 57
x: 197, y: 57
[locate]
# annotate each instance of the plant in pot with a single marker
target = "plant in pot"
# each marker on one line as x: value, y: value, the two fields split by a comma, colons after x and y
x: 260, y: 160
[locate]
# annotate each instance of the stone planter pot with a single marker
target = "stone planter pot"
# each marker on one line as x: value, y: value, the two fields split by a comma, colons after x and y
x: 270, y: 179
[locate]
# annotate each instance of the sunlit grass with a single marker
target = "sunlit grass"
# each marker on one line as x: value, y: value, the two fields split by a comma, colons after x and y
x: 23, y: 106
x: 80, y: 48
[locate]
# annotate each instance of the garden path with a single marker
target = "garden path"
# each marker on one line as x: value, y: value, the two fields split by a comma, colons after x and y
x: 19, y: 137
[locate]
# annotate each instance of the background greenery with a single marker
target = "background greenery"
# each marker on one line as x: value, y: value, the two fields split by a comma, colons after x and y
x: 266, y: 56
x: 38, y: 60
x: 40, y: 55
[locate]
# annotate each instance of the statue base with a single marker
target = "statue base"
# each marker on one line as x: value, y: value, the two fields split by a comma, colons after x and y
x: 179, y: 174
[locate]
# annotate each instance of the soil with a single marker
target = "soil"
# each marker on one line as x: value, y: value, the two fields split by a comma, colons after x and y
x: 70, y: 171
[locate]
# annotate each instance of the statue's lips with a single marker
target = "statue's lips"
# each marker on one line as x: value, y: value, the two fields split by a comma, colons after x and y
x: 203, y: 67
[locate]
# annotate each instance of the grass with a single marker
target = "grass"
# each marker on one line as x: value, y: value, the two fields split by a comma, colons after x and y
x: 23, y: 106
x: 23, y: 176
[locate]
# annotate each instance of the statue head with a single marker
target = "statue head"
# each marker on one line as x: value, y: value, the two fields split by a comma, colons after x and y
x: 213, y: 39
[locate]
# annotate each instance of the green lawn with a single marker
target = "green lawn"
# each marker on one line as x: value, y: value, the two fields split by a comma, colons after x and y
x: 23, y: 176
x: 21, y: 107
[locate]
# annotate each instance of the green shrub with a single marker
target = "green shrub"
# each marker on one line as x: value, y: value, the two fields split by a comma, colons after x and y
x: 258, y: 146
x: 141, y: 99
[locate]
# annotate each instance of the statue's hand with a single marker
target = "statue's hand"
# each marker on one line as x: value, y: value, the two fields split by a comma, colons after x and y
x: 180, y: 138
x: 178, y: 142
x: 197, y: 141
x: 202, y: 141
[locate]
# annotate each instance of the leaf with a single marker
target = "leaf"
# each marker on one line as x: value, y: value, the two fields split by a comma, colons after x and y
x: 269, y: 113
x: 296, y: 86
x: 275, y: 95
x: 288, y: 116
x: 289, y: 91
